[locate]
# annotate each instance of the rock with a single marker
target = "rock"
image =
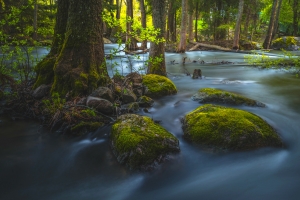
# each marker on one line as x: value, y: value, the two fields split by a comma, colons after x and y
x: 228, y: 128
x: 211, y: 95
x: 82, y: 101
x: 41, y: 91
x: 289, y: 43
x: 197, y: 74
x: 104, y: 93
x: 145, y: 101
x: 106, y: 41
x: 136, y: 82
x: 139, y: 143
x: 158, y: 86
x: 1, y: 94
x: 101, y: 105
x: 130, y: 108
x: 128, y: 96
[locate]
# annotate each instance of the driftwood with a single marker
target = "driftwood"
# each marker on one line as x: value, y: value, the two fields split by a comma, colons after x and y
x: 208, y: 46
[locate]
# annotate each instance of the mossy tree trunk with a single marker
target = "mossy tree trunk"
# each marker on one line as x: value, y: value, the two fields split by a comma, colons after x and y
x: 76, y: 62
x: 157, y: 64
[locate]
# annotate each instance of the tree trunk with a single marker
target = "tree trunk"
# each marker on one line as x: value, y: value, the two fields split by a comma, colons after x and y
x: 44, y: 69
x: 143, y: 21
x: 269, y: 35
x: 182, y: 43
x: 157, y: 64
x: 190, y: 24
x: 34, y: 37
x: 238, y: 26
x: 80, y: 65
x: 276, y: 23
x: 171, y: 32
x: 131, y: 43
x: 295, y: 18
x: 196, y: 21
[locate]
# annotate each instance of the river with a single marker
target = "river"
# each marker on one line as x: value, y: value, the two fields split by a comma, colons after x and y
x: 38, y: 164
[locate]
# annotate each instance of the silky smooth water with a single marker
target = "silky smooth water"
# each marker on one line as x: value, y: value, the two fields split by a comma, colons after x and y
x: 37, y: 164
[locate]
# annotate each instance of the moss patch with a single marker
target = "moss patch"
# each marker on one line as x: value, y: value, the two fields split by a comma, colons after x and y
x: 228, y: 128
x: 158, y: 85
x: 84, y: 127
x: 139, y: 143
x: 209, y: 95
x: 284, y: 43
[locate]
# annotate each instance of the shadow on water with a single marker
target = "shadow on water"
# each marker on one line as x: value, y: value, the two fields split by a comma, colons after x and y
x: 36, y: 164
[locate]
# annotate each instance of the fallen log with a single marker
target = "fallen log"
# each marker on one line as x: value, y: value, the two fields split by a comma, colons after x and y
x: 208, y: 46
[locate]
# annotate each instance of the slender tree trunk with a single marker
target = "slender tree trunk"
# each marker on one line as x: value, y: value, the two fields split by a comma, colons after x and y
x: 35, y: 20
x: 196, y: 21
x: 295, y: 18
x: 238, y: 26
x: 131, y: 43
x: 182, y: 43
x: 118, y: 11
x: 268, y: 39
x: 80, y: 65
x: 143, y: 21
x: 157, y: 64
x: 190, y: 24
x: 171, y: 22
x: 276, y: 23
x: 246, y: 26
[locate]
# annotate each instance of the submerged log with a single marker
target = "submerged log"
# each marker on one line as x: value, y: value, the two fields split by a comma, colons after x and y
x: 208, y: 46
x: 197, y: 74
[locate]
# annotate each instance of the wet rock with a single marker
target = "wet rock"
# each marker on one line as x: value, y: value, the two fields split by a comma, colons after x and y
x: 82, y: 101
x: 128, y: 96
x: 41, y: 91
x: 197, y: 74
x: 289, y: 43
x: 101, y: 105
x: 139, y: 143
x: 130, y: 108
x: 136, y: 83
x: 228, y: 128
x: 211, y: 95
x: 145, y: 101
x: 158, y: 86
x: 104, y: 93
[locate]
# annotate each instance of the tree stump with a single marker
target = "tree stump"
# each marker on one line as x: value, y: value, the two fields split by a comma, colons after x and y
x: 197, y: 74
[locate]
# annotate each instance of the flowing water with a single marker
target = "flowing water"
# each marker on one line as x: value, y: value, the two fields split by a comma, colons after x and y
x: 37, y: 164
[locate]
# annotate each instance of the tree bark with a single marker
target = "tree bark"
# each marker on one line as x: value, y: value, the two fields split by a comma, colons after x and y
x: 238, y: 26
x: 131, y: 43
x: 190, y: 24
x: 276, y: 23
x: 171, y: 31
x: 295, y: 18
x: 35, y: 16
x: 143, y: 21
x: 80, y: 65
x: 182, y: 43
x: 196, y: 21
x: 157, y: 64
x: 269, y: 35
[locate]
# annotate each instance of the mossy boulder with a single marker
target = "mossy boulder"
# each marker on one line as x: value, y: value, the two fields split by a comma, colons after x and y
x: 289, y: 43
x: 212, y: 95
x: 158, y: 86
x: 139, y: 143
x: 228, y: 128
x: 85, y: 127
x: 145, y: 101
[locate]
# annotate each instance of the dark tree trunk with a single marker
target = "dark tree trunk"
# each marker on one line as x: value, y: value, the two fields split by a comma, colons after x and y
x: 143, y: 21
x: 190, y: 23
x: 131, y: 43
x: 268, y: 39
x: 182, y: 43
x: 295, y: 17
x: 34, y: 37
x: 80, y: 65
x: 157, y: 64
x: 171, y: 32
x: 196, y: 21
x: 238, y: 26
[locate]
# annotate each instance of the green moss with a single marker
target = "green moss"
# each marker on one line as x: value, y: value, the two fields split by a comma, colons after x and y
x: 44, y: 70
x: 158, y: 85
x: 285, y: 42
x: 86, y: 126
x: 138, y: 141
x: 228, y: 128
x: 207, y: 95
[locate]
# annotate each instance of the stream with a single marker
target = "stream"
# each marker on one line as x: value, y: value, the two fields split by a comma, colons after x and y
x: 38, y: 164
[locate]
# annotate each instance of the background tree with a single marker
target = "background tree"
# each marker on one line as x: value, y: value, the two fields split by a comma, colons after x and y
x: 238, y: 26
x: 157, y: 64
x: 131, y: 43
x: 182, y: 43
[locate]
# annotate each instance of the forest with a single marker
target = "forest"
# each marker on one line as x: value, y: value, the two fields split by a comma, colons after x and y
x: 122, y: 90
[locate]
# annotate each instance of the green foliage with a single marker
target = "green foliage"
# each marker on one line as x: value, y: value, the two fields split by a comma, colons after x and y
x: 56, y: 103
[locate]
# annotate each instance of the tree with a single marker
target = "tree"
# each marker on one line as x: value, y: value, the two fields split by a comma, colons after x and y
x: 130, y: 41
x: 157, y: 63
x: 295, y: 17
x: 182, y: 43
x: 143, y: 21
x: 238, y: 26
x: 274, y: 14
x: 76, y: 62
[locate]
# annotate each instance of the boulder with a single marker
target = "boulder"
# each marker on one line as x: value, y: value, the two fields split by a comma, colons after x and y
x: 228, y: 128
x: 41, y: 91
x: 158, y: 86
x: 136, y: 82
x: 130, y: 108
x: 145, y: 101
x: 139, y: 143
x: 289, y: 43
x: 128, y: 96
x: 212, y: 95
x: 101, y: 105
x: 104, y: 93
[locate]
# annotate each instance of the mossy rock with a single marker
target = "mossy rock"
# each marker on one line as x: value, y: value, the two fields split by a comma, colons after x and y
x: 158, y: 86
x: 145, y: 101
x: 139, y: 143
x: 289, y: 43
x: 212, y: 95
x: 228, y: 128
x: 85, y: 127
